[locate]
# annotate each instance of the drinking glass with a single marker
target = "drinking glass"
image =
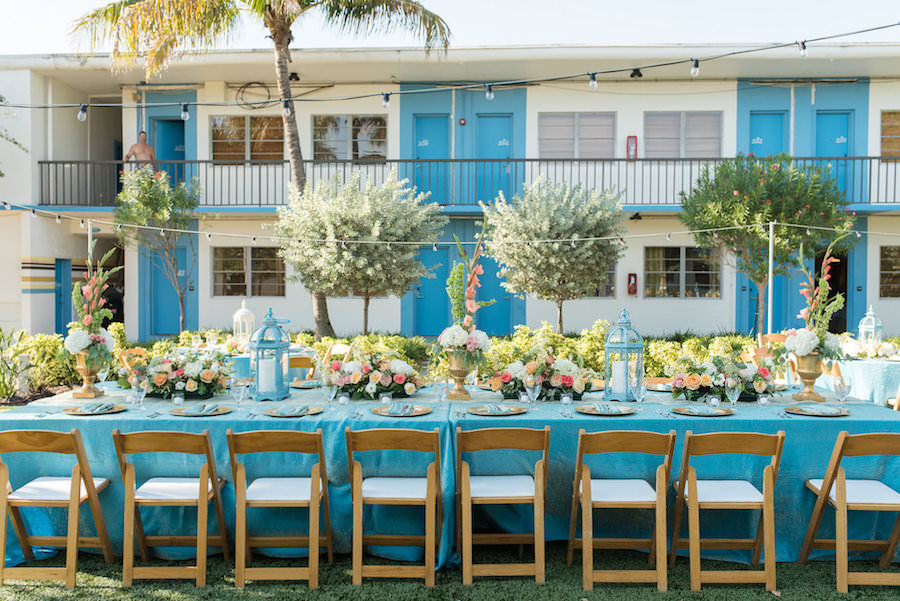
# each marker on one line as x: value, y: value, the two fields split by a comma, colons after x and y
x: 196, y: 340
x: 386, y: 398
x: 211, y: 340
x: 565, y: 399
x: 141, y: 386
x: 763, y: 398
x: 533, y: 388
x: 523, y: 398
x: 714, y: 400
x: 733, y: 393
x: 178, y: 399
x: 329, y: 389
x: 640, y: 391
x: 440, y: 388
x: 343, y: 398
x: 239, y: 390
x: 102, y: 374
x: 841, y: 387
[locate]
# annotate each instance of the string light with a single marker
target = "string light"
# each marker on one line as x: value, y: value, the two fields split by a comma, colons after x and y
x: 668, y: 235
x: 386, y: 101
x: 185, y: 115
x: 343, y: 244
x: 81, y: 224
x: 695, y: 67
x: 434, y: 246
x: 208, y: 236
x: 389, y: 246
x: 801, y: 46
x: 82, y: 113
x: 33, y: 214
x: 162, y: 232
x: 252, y: 239
x: 858, y: 235
x: 58, y: 219
x: 593, y: 81
x: 489, y: 92
x: 286, y: 107
x: 6, y: 205
x: 118, y: 227
x: 636, y: 74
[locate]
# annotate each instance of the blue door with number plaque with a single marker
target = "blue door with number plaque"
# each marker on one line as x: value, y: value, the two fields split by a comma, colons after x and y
x: 494, y: 142
x: 766, y: 134
x: 63, y: 294
x: 432, y: 138
x: 833, y: 141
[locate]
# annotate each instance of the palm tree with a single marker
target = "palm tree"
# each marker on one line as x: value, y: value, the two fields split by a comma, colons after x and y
x: 157, y: 30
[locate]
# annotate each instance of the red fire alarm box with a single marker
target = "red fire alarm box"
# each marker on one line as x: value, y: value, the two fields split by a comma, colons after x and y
x: 631, y: 147
x: 632, y: 284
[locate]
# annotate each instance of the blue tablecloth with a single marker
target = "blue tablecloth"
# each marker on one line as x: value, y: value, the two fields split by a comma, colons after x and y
x: 807, y: 449
x: 873, y: 380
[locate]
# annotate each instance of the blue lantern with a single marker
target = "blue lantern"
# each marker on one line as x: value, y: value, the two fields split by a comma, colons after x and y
x: 269, y: 362
x: 623, y: 360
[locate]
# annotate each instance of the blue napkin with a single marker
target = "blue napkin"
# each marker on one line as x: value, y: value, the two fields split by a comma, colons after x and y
x: 496, y: 408
x: 204, y: 409
x: 606, y: 409
x: 295, y: 410
x: 821, y: 409
x: 96, y: 407
x: 702, y: 410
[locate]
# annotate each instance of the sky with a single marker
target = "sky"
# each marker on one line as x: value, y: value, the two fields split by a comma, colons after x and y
x: 521, y: 22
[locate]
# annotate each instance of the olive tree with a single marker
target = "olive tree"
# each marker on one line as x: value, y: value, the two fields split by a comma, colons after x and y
x: 345, y: 238
x: 583, y: 227
x: 745, y: 194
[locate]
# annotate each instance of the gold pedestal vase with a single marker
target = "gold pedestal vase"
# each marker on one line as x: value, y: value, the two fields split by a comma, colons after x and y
x: 809, y: 368
x: 456, y: 361
x: 88, y: 375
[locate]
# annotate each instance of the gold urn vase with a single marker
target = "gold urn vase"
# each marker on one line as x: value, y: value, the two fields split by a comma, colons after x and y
x: 458, y: 370
x: 88, y: 375
x: 809, y: 368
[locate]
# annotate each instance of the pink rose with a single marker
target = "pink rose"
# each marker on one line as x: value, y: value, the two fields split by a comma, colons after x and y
x: 505, y: 377
x: 88, y: 319
x: 568, y: 381
x: 736, y: 192
x: 335, y: 365
x: 471, y: 343
x: 678, y: 381
x: 764, y: 372
x: 399, y: 378
x: 366, y: 368
x: 179, y: 372
x: 385, y: 380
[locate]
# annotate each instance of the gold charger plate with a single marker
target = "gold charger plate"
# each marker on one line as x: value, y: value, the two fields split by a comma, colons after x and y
x: 801, y: 410
x: 183, y: 412
x: 113, y: 409
x: 711, y: 412
x: 483, y: 411
x: 591, y: 410
x: 274, y: 412
x: 306, y: 384
x: 418, y: 410
x: 659, y: 386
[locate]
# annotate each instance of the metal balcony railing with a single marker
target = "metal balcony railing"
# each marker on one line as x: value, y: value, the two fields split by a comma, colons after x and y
x: 449, y: 182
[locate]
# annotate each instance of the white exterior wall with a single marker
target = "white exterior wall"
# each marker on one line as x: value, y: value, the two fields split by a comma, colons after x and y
x: 650, y: 316
x: 11, y: 304
x: 16, y: 185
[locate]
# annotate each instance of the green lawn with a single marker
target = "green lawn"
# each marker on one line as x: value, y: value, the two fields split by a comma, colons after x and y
x: 102, y: 582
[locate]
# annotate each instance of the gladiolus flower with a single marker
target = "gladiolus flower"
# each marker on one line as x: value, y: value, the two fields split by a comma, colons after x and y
x: 471, y: 305
x: 86, y: 292
x: 88, y: 319
x: 479, y: 270
x: 467, y: 321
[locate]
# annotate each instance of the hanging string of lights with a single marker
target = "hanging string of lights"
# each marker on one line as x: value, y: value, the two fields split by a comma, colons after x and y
x: 635, y: 72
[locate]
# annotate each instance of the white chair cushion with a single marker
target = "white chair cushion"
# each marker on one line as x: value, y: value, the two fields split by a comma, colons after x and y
x: 621, y: 491
x: 170, y: 489
x: 501, y: 486
x: 279, y: 489
x: 865, y: 491
x: 51, y: 488
x: 394, y: 488
x: 726, y: 491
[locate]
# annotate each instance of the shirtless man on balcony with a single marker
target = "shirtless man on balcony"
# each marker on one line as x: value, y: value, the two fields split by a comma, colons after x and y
x: 142, y: 152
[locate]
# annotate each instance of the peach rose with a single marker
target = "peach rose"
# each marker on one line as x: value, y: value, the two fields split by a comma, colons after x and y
x: 375, y: 377
x: 190, y: 386
x: 355, y: 377
x: 531, y: 367
x: 409, y: 388
x: 207, y: 376
x: 760, y: 386
x: 556, y: 380
x: 160, y: 379
x: 221, y: 382
x: 705, y: 380
x: 692, y: 381
x: 496, y: 384
x: 578, y: 385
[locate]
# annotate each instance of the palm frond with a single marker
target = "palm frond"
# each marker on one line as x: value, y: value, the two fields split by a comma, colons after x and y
x: 365, y: 17
x: 156, y: 30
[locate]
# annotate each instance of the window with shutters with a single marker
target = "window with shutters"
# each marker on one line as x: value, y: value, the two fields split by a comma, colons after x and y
x: 576, y: 135
x: 253, y: 271
x: 349, y: 137
x: 681, y: 272
x: 240, y: 138
x: 890, y: 134
x: 689, y: 135
x: 889, y: 272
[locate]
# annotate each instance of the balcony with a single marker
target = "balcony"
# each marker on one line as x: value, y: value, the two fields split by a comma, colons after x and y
x: 459, y: 183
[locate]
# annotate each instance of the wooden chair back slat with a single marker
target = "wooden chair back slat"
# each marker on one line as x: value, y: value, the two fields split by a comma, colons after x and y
x: 871, y: 444
x: 161, y: 442
x: 485, y: 439
x: 302, y: 362
x: 15, y: 441
x: 275, y: 441
x: 652, y: 443
x: 751, y: 443
x: 767, y: 339
x: 380, y: 439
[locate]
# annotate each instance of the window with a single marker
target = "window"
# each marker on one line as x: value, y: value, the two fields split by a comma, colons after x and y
x: 682, y: 135
x: 890, y: 133
x: 349, y: 137
x: 889, y: 272
x: 681, y: 272
x: 237, y: 270
x: 236, y: 139
x: 608, y: 287
x: 576, y: 135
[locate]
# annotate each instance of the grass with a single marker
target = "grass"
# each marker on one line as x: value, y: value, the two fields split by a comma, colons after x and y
x: 101, y: 582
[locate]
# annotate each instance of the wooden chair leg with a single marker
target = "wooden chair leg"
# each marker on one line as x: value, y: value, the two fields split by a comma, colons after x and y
x: 4, y: 493
x: 758, y: 545
x: 573, y: 518
x: 202, y: 526
x: 430, y: 526
x: 465, y: 526
x: 539, y: 559
x: 888, y: 556
x: 659, y: 536
x: 15, y: 516
x: 676, y: 528
x: 840, y: 531
x: 357, y: 534
x: 72, y: 528
x: 694, y: 530
x: 587, y: 533
x: 314, y: 500
x: 769, y: 527
x: 814, y: 521
x: 240, y: 527
x: 129, y: 528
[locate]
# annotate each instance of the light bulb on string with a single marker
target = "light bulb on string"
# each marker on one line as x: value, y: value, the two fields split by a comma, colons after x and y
x: 573, y: 242
x: 593, y: 81
x: 119, y: 227
x: 801, y: 46
x: 81, y: 224
x: 252, y: 239
x: 389, y: 246
x: 6, y: 205
x: 185, y: 115
x: 636, y: 74
x: 489, y: 92
x: 208, y: 236
x: 58, y: 219
x: 858, y: 235
x: 162, y: 232
x: 434, y: 246
x: 386, y: 100
x: 286, y: 107
x: 695, y: 67
x: 668, y: 235
x: 343, y: 244
x: 82, y: 112
x: 33, y: 214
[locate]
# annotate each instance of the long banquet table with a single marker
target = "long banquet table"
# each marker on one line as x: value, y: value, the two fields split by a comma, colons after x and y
x: 809, y: 442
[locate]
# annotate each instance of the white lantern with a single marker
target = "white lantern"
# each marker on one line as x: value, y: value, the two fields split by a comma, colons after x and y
x: 244, y: 323
x: 870, y: 329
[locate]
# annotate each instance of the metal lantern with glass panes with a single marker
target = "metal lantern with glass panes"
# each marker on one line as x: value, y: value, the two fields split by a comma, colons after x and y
x: 269, y: 361
x: 624, y: 360
x: 244, y: 323
x: 870, y: 329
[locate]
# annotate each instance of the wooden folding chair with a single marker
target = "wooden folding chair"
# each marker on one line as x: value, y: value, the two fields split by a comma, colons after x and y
x: 309, y: 492
x: 854, y: 495
x: 590, y: 493
x: 303, y: 362
x: 167, y: 492
x: 728, y: 494
x: 51, y: 491
x: 130, y: 357
x: 402, y: 490
x: 339, y: 350
x: 501, y: 490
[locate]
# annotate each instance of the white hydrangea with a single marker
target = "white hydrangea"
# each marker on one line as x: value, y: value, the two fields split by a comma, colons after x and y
x: 565, y: 367
x: 455, y: 335
x: 517, y: 370
x: 748, y: 372
x: 887, y: 349
x: 708, y: 368
x: 77, y: 341
x: 351, y: 367
x: 193, y: 369
x: 832, y: 342
x: 850, y: 348
x: 107, y: 340
x: 802, y: 342
x: 482, y: 340
x: 399, y: 366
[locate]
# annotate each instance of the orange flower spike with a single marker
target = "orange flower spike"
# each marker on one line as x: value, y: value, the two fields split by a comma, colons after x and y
x: 479, y: 270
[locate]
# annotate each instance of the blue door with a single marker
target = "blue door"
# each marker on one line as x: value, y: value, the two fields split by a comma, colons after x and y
x: 494, y: 142
x: 833, y: 141
x: 432, y: 307
x: 165, y: 316
x: 766, y: 134
x: 432, y: 138
x: 63, y: 295
x: 495, y: 320
x: 170, y: 147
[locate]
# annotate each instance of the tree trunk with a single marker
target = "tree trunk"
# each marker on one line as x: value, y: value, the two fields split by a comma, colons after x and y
x: 559, y: 320
x: 280, y: 29
x: 181, y: 307
x: 365, y: 315
x: 761, y: 309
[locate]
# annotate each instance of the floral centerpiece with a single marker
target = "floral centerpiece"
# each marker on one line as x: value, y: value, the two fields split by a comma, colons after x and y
x: 87, y: 340
x: 373, y: 376
x: 556, y: 376
x: 198, y: 375
x: 811, y: 344
x: 857, y: 350
x: 695, y: 380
